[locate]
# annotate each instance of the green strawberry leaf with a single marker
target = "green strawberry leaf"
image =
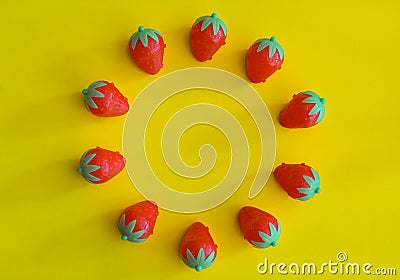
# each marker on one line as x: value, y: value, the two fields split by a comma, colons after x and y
x: 314, y: 186
x: 86, y: 169
x: 190, y: 258
x: 273, y: 45
x: 214, y: 21
x: 200, y: 262
x: 268, y: 240
x: 128, y: 233
x: 96, y: 84
x: 142, y: 34
x: 318, y: 104
x: 91, y: 92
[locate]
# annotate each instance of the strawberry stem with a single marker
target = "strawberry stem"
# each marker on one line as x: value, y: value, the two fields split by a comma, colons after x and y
x: 323, y: 100
x: 79, y: 169
x: 141, y: 28
x: 124, y: 237
x: 274, y: 243
x: 273, y: 39
x: 198, y: 268
x: 84, y: 92
x: 214, y: 15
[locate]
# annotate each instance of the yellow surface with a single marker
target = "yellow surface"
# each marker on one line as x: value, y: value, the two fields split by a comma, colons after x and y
x: 56, y: 226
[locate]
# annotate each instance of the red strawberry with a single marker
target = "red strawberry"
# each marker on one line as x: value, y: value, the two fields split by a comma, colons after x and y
x: 260, y: 228
x: 306, y: 109
x: 100, y: 165
x: 146, y: 47
x: 264, y: 57
x: 300, y: 181
x: 136, y: 222
x: 103, y: 99
x: 207, y: 36
x: 198, y: 249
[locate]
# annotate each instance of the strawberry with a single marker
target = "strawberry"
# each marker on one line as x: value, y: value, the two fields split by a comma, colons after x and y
x: 264, y: 57
x: 306, y: 109
x: 146, y: 47
x: 260, y: 228
x: 103, y: 99
x: 100, y: 165
x: 198, y: 249
x: 300, y: 181
x: 208, y: 34
x: 136, y: 223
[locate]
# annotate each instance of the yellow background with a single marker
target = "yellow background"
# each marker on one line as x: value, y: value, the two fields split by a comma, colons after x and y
x: 56, y: 226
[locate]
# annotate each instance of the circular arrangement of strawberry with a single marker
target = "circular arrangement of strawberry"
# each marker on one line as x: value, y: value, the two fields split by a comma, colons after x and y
x: 265, y: 56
